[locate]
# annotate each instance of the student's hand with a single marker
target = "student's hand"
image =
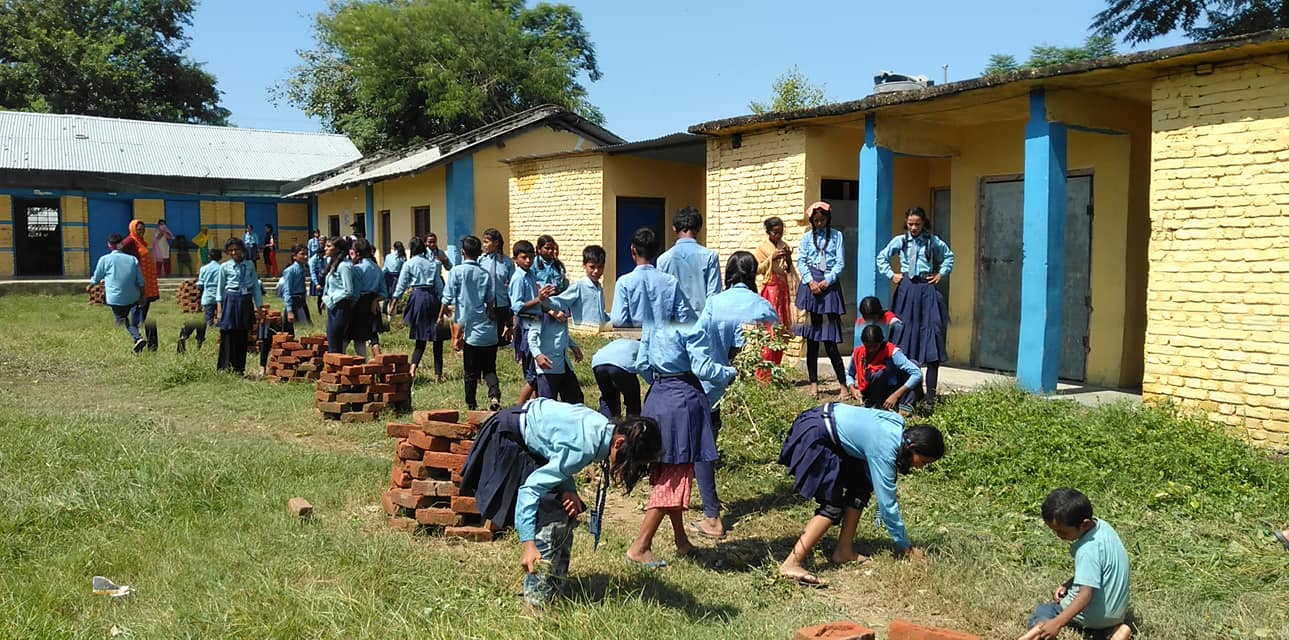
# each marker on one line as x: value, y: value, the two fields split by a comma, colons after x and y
x: 577, y: 354
x: 935, y: 279
x: 530, y: 557
x: 559, y: 316
x: 1060, y: 593
x: 897, y: 279
x: 573, y: 504
x: 458, y: 344
x: 892, y: 401
x: 507, y: 332
x: 546, y: 292
x: 544, y: 362
x: 1046, y: 631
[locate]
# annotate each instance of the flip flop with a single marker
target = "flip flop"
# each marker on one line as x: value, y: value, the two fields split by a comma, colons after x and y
x: 655, y: 564
x: 1280, y: 535
x: 807, y: 579
x: 698, y: 529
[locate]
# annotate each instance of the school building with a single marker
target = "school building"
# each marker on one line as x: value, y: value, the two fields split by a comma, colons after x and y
x: 453, y: 185
x: 67, y: 182
x: 1117, y: 222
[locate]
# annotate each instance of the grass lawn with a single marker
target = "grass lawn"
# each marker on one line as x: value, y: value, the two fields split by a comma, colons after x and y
x: 162, y: 474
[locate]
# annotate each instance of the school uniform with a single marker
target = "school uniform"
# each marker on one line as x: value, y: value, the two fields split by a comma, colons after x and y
x: 252, y: 243
x: 208, y: 283
x: 549, y: 337
x: 468, y: 292
x: 916, y: 301
x: 523, y: 289
x: 614, y: 366
x: 313, y: 245
x: 822, y: 257
x: 697, y: 269
x: 550, y: 272
x: 393, y: 264
x: 239, y: 294
x: 371, y: 287
x: 1101, y: 564
x: 340, y: 293
x: 291, y: 290
x: 500, y: 270
x: 421, y: 315
x: 584, y: 302
x: 317, y: 276
x: 523, y: 459
x: 646, y: 296
x: 840, y: 455
x: 122, y: 288
x: 880, y: 375
x: 892, y: 326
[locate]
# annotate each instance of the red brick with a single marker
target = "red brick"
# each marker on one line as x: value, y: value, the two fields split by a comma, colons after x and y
x: 279, y: 338
x: 387, y: 503
x: 473, y: 534
x: 448, y: 429
x: 351, y: 397
x: 392, y: 398
x: 904, y: 630
x: 357, y: 416
x: 403, y: 368
x: 399, y: 477
x: 399, y: 429
x: 461, y: 447
x: 291, y: 345
x: 840, y: 630
x: 329, y: 377
x: 399, y: 378
x: 464, y: 504
x: 441, y: 517
x: 319, y: 340
x: 406, y: 498
x: 391, y: 358
x: 416, y: 469
x: 438, y: 488
x: 323, y: 396
x: 428, y: 442
x: 456, y: 477
x: 477, y: 417
x: 380, y: 388
x: 440, y: 415
x: 406, y: 451
x: 329, y: 387
x: 299, y: 507
x: 286, y: 360
x: 330, y: 407
x: 341, y: 360
x: 306, y: 354
x: 375, y: 407
x: 447, y: 461
x: 404, y: 524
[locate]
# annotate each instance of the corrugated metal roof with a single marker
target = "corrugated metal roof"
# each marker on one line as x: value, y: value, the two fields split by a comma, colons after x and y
x: 55, y: 142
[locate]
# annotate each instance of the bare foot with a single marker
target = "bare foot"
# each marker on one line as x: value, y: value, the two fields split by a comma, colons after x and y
x: 644, y: 558
x: 853, y: 556
x: 1123, y: 632
x: 684, y: 548
x: 814, y: 391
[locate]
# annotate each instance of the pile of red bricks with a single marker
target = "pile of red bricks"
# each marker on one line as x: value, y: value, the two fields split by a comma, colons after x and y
x: 97, y: 294
x: 351, y: 389
x: 423, y: 483
x: 189, y: 297
x: 263, y: 315
x: 296, y: 359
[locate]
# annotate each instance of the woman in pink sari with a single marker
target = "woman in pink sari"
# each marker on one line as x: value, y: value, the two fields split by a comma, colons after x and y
x: 779, y: 279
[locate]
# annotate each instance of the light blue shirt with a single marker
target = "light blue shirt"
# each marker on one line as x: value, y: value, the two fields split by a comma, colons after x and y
x: 674, y: 349
x: 317, y: 272
x: 898, y: 360
x: 250, y: 240
x: 584, y: 301
x: 522, y: 290
x: 723, y: 319
x: 648, y: 296
x: 891, y: 331
x: 313, y: 246
x: 551, y: 273
x: 917, y: 255
x: 620, y: 353
x: 571, y: 437
x: 418, y: 271
x: 340, y: 285
x: 122, y: 280
x: 369, y: 279
x: 393, y: 262
x: 549, y: 337
x: 500, y: 269
x: 467, y: 293
x: 875, y: 436
x: 830, y: 257
x: 239, y: 277
x: 208, y: 282
x: 1100, y: 562
x: 291, y: 284
x: 696, y: 267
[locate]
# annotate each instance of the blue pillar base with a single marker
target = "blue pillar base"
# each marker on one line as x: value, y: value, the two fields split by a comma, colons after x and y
x: 876, y: 188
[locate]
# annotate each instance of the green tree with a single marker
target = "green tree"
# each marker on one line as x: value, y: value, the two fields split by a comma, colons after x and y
x: 1000, y: 63
x: 115, y: 58
x: 1141, y: 20
x: 388, y: 73
x: 791, y: 91
x: 1095, y: 46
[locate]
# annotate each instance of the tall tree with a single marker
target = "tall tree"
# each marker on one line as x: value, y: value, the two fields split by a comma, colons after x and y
x: 1141, y: 20
x: 1042, y: 55
x: 392, y: 72
x: 791, y: 91
x: 115, y: 58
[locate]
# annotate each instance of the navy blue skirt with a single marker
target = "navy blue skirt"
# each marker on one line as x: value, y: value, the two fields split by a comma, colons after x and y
x: 391, y: 281
x: 681, y: 409
x: 826, y: 309
x: 238, y: 312
x: 922, y: 308
x: 520, y: 332
x: 497, y: 466
x: 422, y: 314
x: 821, y: 470
x: 360, y: 328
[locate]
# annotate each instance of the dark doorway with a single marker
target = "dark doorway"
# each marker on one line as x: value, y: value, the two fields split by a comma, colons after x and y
x: 359, y: 225
x: 633, y: 214
x: 386, y: 244
x: 843, y: 197
x: 420, y: 221
x: 38, y: 237
x: 333, y: 226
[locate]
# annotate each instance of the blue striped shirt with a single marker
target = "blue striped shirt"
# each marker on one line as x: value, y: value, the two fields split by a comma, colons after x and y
x: 419, y: 271
x: 121, y: 277
x: 647, y: 296
x: 584, y: 301
x: 466, y: 293
x: 571, y: 437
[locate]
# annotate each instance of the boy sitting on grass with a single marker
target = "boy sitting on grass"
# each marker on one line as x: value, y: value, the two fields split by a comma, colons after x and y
x: 1095, y: 601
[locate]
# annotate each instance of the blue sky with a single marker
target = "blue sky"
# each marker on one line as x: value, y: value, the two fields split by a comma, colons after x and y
x: 669, y: 64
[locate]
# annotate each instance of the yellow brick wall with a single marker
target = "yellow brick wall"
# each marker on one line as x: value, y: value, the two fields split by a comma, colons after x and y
x: 76, y: 255
x: 1217, y: 335
x: 6, y: 237
x: 563, y: 197
x: 765, y: 176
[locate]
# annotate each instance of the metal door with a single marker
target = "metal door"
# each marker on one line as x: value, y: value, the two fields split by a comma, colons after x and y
x: 37, y: 237
x: 633, y: 214
x: 845, y: 214
x: 184, y: 219
x: 941, y: 225
x: 107, y: 217
x: 999, y: 276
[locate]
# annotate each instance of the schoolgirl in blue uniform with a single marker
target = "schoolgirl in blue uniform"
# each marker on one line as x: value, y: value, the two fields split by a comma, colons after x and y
x: 820, y: 261
x: 614, y: 366
x: 238, y: 294
x: 371, y: 290
x: 340, y: 293
x: 521, y: 469
x: 881, y: 375
x: 317, y: 269
x: 839, y: 456
x: 546, y: 266
x: 423, y: 277
x: 290, y: 288
x: 872, y: 313
x: 500, y: 270
x: 526, y: 307
x: 394, y: 262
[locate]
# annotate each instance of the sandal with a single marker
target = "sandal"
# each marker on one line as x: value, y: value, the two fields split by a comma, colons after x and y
x: 1280, y: 535
x: 806, y: 579
x: 697, y: 529
x: 654, y: 564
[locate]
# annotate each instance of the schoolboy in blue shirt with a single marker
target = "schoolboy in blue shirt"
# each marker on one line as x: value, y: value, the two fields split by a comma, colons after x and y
x: 122, y: 287
x: 500, y: 270
x: 647, y: 296
x: 467, y: 292
x: 584, y: 299
x: 696, y: 267
x: 317, y: 272
x: 291, y: 290
x: 207, y: 282
x: 1095, y: 600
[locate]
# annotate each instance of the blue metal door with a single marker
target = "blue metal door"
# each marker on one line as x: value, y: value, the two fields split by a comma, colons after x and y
x: 259, y: 214
x: 105, y: 218
x: 184, y: 219
x: 633, y: 214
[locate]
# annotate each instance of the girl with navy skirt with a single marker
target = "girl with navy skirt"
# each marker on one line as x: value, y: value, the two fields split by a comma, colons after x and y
x: 839, y: 456
x: 422, y: 276
x: 394, y: 262
x: 820, y: 260
x: 521, y: 468
x: 366, y: 325
x: 339, y: 293
x: 237, y: 296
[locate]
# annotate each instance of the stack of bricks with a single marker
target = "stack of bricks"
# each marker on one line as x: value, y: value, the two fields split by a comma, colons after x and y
x: 351, y: 389
x: 97, y: 294
x: 424, y: 482
x: 189, y: 297
x: 263, y: 315
x: 296, y: 359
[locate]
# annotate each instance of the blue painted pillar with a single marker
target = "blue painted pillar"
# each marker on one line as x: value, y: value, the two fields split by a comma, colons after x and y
x: 370, y: 217
x: 1042, y: 293
x: 460, y: 199
x: 876, y: 186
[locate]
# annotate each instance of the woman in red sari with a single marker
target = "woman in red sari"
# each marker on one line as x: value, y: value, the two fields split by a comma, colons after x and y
x: 777, y: 272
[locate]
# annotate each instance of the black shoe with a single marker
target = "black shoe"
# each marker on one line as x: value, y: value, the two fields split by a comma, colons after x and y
x: 140, y: 345
x: 494, y: 404
x: 151, y: 331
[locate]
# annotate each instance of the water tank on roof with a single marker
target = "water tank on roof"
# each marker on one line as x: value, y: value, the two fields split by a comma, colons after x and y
x: 887, y: 82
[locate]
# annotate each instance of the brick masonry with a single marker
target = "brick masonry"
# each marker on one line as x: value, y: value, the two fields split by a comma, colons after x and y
x: 423, y: 492
x: 561, y: 196
x: 1216, y: 336
x: 765, y: 176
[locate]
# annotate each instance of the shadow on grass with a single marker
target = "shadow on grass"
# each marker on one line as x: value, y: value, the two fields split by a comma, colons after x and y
x: 597, y: 588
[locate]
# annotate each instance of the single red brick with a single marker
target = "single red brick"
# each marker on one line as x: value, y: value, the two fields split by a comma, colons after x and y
x: 447, y: 461
x: 477, y: 417
x: 299, y: 507
x: 456, y: 477
x: 404, y: 524
x: 323, y: 396
x: 341, y: 360
x: 464, y: 504
x: 398, y: 378
x: 904, y: 630
x: 406, y: 498
x: 399, y: 397
x: 473, y: 534
x: 330, y: 407
x: 841, y: 630
x: 330, y: 377
x: 380, y: 388
x: 461, y: 447
x: 398, y: 429
x: 403, y: 368
x: 303, y: 354
x: 399, y: 477
x: 439, y: 415
x: 357, y: 416
x: 329, y: 387
x: 448, y: 429
x: 439, y: 488
x: 375, y: 407
x: 387, y: 503
x: 392, y: 358
x: 287, y: 360
x: 441, y: 517
x: 416, y: 469
x: 407, y: 451
x: 428, y: 442
x: 351, y: 397
x: 290, y: 345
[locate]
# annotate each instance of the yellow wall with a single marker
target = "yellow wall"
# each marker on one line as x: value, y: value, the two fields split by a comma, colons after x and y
x: 291, y: 214
x: 400, y: 195
x: 6, y: 237
x: 563, y: 197
x: 76, y: 255
x: 224, y: 219
x: 1218, y: 310
x: 764, y: 177
x: 343, y: 203
x: 492, y: 177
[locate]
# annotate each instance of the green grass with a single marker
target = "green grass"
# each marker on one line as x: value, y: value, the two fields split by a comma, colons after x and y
x: 123, y: 466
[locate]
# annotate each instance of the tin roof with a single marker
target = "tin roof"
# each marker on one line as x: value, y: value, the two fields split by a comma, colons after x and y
x: 56, y: 142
